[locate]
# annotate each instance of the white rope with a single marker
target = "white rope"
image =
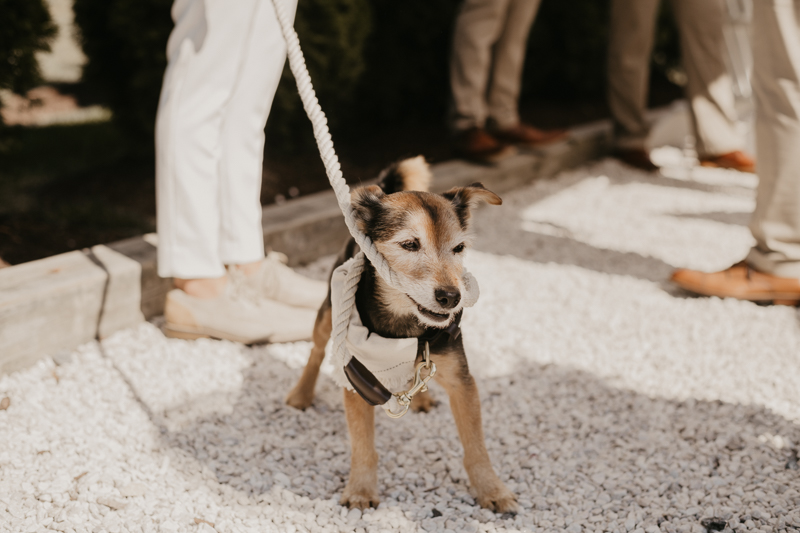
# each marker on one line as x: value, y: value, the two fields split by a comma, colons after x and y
x: 332, y: 168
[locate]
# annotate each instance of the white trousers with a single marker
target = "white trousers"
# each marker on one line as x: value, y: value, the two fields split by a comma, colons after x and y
x: 225, y: 62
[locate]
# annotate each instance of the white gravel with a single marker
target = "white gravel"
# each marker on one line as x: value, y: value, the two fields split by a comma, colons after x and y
x: 611, y: 401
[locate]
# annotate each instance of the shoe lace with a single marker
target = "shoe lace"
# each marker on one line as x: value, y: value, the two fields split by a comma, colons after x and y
x: 270, y: 280
x: 241, y: 291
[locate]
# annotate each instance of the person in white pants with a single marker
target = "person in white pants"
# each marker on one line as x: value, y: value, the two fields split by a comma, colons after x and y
x: 224, y: 63
x: 771, y: 271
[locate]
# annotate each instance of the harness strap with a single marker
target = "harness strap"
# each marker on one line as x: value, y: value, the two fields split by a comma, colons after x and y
x: 434, y: 335
x: 365, y: 383
x: 370, y: 388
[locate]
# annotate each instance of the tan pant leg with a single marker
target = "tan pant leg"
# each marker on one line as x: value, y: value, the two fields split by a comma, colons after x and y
x: 509, y: 58
x: 478, y: 27
x: 629, y: 48
x: 709, y: 88
x: 776, y: 86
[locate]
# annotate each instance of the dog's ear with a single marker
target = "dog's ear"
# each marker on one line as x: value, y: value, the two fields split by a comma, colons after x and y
x: 465, y: 198
x: 366, y: 202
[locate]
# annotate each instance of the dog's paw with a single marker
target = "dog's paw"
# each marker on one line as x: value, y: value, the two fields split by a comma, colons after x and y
x: 360, y: 498
x: 498, y: 499
x: 423, y: 402
x: 300, y: 399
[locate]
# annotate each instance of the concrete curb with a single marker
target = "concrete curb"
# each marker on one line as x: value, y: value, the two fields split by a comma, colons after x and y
x: 59, y: 302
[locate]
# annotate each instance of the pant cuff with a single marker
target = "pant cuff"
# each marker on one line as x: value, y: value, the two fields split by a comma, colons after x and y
x: 459, y: 124
x: 626, y: 142
x: 174, y: 264
x: 773, y: 263
x: 502, y: 122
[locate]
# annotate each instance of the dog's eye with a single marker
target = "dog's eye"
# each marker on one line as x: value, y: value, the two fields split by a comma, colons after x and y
x: 460, y: 248
x: 411, y: 246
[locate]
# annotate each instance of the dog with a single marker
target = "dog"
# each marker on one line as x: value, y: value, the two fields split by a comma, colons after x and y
x: 423, y: 236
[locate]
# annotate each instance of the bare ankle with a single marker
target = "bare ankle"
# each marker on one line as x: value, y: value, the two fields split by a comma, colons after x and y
x: 248, y: 269
x: 203, y: 287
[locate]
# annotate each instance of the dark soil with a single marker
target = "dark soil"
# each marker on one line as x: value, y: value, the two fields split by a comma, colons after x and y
x: 65, y: 188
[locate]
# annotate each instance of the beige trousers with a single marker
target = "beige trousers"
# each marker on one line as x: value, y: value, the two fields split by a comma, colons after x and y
x: 776, y: 85
x: 487, y: 59
x: 709, y: 87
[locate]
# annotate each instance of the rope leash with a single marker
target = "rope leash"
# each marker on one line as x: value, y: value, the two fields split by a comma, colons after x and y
x: 333, y: 170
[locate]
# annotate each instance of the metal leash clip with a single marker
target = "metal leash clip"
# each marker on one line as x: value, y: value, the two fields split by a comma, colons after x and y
x: 420, y: 384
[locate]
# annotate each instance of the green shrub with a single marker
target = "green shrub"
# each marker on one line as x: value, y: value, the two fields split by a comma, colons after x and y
x: 333, y: 35
x: 407, y: 57
x: 566, y: 55
x: 26, y: 29
x: 373, y: 62
x: 125, y: 42
x: 666, y: 48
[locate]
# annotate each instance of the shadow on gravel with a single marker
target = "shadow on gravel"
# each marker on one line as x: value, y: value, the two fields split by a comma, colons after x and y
x: 666, y: 181
x: 565, y: 440
x: 560, y: 248
x: 542, y: 248
x: 735, y: 219
x: 559, y: 436
x: 557, y: 245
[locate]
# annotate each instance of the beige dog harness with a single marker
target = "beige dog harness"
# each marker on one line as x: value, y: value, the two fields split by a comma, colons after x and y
x: 376, y: 367
x: 391, y: 361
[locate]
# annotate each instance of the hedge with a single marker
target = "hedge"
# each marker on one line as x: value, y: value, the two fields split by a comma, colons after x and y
x: 26, y: 29
x: 125, y: 42
x: 373, y: 62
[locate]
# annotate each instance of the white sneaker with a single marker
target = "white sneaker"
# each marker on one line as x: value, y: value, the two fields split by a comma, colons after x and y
x: 237, y: 315
x: 276, y: 281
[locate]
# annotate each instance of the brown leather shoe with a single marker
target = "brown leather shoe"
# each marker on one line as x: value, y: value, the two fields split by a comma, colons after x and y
x: 740, y: 281
x: 477, y: 145
x: 737, y: 160
x: 637, y: 158
x: 527, y: 135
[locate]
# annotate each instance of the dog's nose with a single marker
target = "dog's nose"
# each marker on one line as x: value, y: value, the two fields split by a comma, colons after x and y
x: 448, y: 297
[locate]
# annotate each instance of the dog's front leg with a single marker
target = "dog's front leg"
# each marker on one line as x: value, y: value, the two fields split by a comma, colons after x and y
x: 302, y: 394
x: 423, y: 402
x: 465, y: 403
x: 362, y: 486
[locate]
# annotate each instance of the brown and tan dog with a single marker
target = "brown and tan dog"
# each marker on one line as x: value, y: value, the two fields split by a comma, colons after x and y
x: 422, y: 235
